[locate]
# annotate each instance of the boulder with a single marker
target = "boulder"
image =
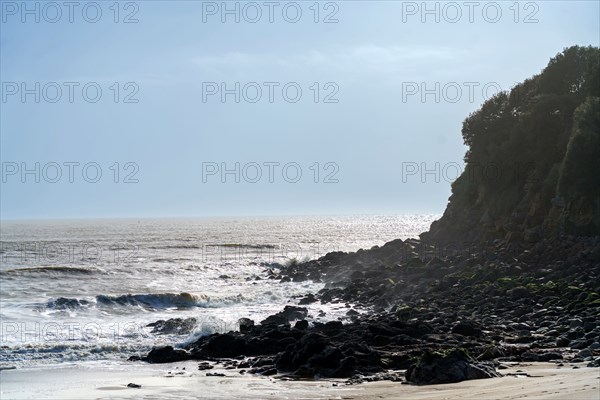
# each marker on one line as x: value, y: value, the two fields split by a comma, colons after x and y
x: 308, y: 346
x: 289, y: 313
x: 166, y: 354
x: 520, y: 292
x: 223, y: 345
x: 547, y: 356
x: 315, y: 356
x: 467, y: 328
x: 174, y: 326
x: 301, y: 325
x: 310, y: 298
x: 245, y: 324
x: 454, y: 366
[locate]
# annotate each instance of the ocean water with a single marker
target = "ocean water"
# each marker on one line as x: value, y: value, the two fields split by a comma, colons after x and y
x: 79, y: 290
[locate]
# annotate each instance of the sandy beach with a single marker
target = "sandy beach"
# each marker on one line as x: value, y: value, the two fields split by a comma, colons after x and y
x: 300, y: 200
x: 100, y: 381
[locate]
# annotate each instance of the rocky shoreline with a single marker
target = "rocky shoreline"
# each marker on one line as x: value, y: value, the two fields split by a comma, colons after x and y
x: 443, y: 314
x: 521, y: 289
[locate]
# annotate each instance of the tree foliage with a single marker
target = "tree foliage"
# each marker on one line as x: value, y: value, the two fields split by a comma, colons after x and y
x: 542, y: 141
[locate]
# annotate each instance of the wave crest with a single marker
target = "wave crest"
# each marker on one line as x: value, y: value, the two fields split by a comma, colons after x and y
x: 65, y: 303
x: 51, y: 270
x: 166, y: 300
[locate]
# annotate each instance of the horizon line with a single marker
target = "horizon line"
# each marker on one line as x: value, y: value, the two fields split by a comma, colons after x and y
x: 148, y: 217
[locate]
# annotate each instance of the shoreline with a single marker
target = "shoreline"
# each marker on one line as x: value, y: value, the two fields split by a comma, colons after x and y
x: 442, y: 320
x: 103, y: 380
x: 464, y: 309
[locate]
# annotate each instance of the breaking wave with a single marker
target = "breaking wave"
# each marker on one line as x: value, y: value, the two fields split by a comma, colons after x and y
x: 51, y: 270
x: 166, y: 300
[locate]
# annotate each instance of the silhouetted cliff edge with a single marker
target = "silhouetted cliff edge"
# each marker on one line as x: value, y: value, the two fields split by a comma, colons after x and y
x: 533, y: 163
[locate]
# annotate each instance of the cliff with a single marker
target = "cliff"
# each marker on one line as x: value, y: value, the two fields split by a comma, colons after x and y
x: 533, y: 164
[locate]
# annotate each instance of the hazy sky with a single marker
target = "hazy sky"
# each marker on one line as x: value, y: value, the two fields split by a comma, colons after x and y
x: 141, y: 102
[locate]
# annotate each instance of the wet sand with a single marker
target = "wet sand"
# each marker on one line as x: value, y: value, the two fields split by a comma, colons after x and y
x: 171, y: 381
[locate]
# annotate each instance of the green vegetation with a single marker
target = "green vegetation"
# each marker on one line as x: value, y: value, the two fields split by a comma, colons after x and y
x: 533, y: 158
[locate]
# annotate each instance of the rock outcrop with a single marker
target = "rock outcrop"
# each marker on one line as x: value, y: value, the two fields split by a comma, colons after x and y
x: 454, y: 366
x: 533, y: 159
x: 511, y: 272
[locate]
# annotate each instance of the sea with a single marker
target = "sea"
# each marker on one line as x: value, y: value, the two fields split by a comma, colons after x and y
x: 73, y: 291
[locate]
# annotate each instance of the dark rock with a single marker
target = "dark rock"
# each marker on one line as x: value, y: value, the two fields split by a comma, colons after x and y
x: 589, y: 326
x: 332, y: 327
x: 404, y: 313
x: 520, y: 292
x: 575, y: 323
x: 399, y: 361
x: 490, y: 353
x: 299, y: 277
x: 404, y: 340
x: 432, y: 311
x: 594, y: 363
x: 289, y: 313
x: 585, y: 353
x: 134, y: 386
x: 467, y: 328
x: 328, y: 358
x: 592, y: 335
x: 380, y: 340
x: 578, y: 344
x: 310, y: 298
x: 346, y: 368
x: 575, y: 333
x: 314, y: 355
x: 357, y: 275
x: 308, y: 346
x: 204, y: 366
x: 301, y: 325
x: 415, y: 329
x: 166, y: 354
x: 382, y: 329
x: 224, y: 345
x: 174, y: 326
x: 263, y: 361
x: 275, y: 319
x: 455, y: 366
x: 545, y: 357
x: 245, y: 324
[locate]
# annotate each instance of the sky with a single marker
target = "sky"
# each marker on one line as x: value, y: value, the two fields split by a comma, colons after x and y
x: 190, y: 108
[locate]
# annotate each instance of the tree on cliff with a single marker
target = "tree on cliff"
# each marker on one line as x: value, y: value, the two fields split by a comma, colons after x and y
x: 533, y: 158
